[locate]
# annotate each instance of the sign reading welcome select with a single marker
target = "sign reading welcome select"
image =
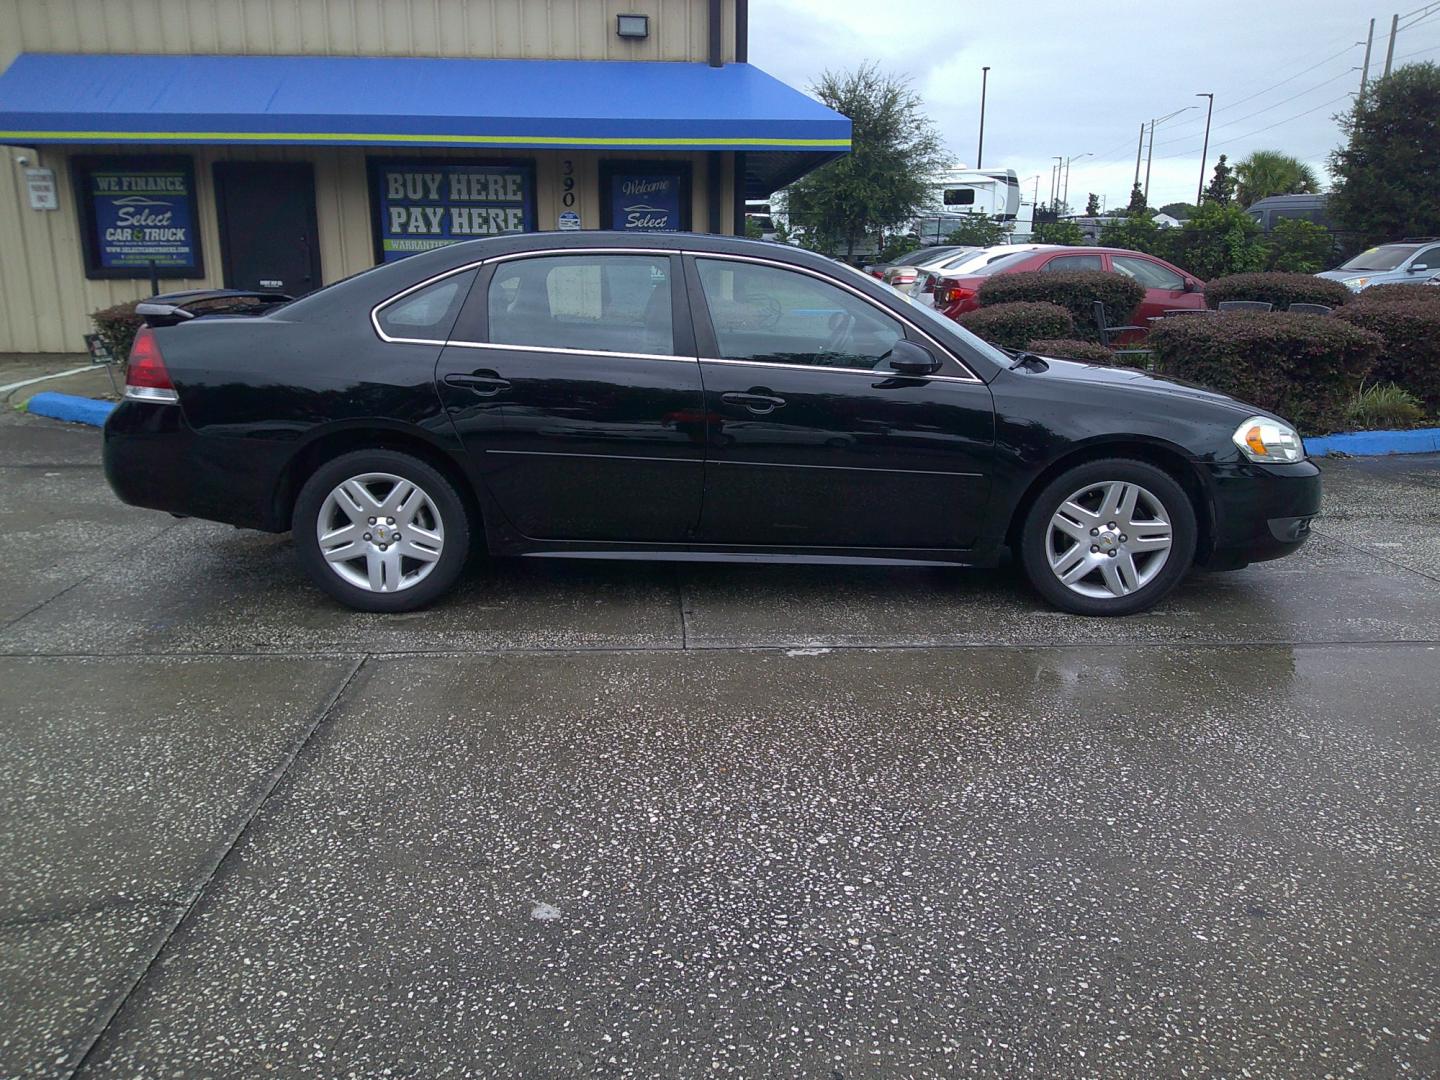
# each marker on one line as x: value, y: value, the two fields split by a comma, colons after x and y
x: 426, y: 206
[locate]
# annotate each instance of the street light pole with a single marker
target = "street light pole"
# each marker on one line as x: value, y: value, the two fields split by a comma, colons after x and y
x: 1065, y: 192
x: 1205, y: 150
x: 1150, y: 152
x: 1055, y: 180
x: 980, y: 149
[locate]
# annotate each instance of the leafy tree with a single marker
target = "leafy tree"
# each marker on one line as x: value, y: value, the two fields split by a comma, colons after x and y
x: 1221, y: 188
x: 1092, y: 205
x: 1300, y: 246
x: 1179, y: 210
x: 1220, y: 239
x: 1137, y: 199
x: 884, y: 180
x: 753, y: 229
x: 1387, y: 176
x: 1058, y: 232
x: 1269, y: 172
x: 1133, y: 232
x: 978, y: 230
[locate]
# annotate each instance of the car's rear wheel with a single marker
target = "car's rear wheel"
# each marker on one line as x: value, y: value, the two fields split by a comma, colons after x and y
x: 380, y: 530
x: 1108, y: 537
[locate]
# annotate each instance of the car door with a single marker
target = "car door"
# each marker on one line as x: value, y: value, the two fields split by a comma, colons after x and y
x: 813, y: 442
x: 1424, y: 266
x: 572, y: 380
x: 1164, y: 287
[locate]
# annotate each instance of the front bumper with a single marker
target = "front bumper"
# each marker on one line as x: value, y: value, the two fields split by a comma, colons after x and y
x: 1260, y: 511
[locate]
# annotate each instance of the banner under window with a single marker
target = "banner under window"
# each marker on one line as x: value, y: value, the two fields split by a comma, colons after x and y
x: 138, y: 213
x: 646, y: 197
x: 425, y: 205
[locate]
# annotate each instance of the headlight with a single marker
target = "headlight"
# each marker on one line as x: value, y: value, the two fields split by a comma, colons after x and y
x: 1265, y: 440
x: 1355, y: 284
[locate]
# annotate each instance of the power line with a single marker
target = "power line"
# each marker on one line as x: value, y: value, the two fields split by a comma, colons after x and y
x: 1267, y: 108
x: 1282, y: 82
x: 1258, y: 131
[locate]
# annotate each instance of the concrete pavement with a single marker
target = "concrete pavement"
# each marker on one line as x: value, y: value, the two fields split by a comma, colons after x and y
x: 657, y: 820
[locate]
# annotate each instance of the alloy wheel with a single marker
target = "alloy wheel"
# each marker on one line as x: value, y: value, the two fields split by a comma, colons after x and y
x: 380, y: 532
x: 1109, y: 539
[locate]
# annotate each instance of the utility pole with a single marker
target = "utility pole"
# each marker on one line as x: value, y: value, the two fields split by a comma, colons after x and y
x: 1390, y: 49
x: 1138, y: 147
x: 1205, y: 150
x: 980, y: 150
x: 1055, y: 181
x: 1149, y: 157
x: 1365, y: 71
x: 1065, y: 189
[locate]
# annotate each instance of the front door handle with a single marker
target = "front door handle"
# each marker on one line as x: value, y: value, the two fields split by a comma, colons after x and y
x: 759, y: 404
x: 484, y: 383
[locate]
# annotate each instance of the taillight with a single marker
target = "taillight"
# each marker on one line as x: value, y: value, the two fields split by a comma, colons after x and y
x: 145, y: 376
x: 951, y: 293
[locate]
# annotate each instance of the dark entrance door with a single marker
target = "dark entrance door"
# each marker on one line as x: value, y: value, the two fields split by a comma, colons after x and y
x: 267, y: 225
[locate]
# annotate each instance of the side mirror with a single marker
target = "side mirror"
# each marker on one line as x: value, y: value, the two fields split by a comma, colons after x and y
x: 1415, y: 268
x: 907, y: 358
x: 1191, y: 285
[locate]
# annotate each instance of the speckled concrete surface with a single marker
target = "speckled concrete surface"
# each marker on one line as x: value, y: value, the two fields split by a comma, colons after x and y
x: 1046, y: 863
x: 600, y: 831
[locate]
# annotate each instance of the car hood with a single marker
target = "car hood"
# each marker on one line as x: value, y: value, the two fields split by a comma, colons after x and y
x: 1348, y: 275
x: 1131, y: 380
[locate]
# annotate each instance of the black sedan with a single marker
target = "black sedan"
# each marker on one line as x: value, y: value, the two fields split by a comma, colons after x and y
x: 681, y: 397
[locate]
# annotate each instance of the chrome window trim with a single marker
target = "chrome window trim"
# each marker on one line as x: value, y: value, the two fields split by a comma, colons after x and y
x: 969, y: 376
x: 153, y: 394
x: 874, y: 373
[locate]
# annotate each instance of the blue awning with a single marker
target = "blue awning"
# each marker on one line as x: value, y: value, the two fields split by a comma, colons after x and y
x: 413, y: 102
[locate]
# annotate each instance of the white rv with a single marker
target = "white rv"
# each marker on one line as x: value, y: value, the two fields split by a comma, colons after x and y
x: 993, y: 192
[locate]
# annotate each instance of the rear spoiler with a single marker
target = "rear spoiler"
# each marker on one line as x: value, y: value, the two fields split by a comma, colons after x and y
x: 169, y: 309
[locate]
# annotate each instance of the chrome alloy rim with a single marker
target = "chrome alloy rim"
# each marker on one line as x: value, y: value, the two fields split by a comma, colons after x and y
x: 1109, y: 539
x: 380, y: 532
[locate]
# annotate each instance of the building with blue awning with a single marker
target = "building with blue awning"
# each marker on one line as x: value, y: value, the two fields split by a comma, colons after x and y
x: 283, y: 156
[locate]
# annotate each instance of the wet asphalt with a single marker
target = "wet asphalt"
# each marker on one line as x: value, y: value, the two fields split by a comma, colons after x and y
x: 725, y: 821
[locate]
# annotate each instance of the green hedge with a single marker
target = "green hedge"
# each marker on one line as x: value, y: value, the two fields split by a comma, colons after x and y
x: 1411, y: 330
x: 1014, y: 326
x: 1301, y: 367
x: 1278, y: 288
x: 1071, y: 349
x: 1074, y: 290
x: 116, y: 326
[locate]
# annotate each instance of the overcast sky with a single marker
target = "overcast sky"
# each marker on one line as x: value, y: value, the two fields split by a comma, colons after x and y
x: 1069, y: 77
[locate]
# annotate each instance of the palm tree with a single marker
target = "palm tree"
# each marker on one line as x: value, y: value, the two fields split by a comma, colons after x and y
x: 1269, y: 172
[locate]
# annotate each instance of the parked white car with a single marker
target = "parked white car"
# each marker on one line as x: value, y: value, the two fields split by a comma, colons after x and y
x: 953, y: 266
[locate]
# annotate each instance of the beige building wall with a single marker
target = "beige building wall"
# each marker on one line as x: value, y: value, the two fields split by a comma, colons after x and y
x: 45, y: 298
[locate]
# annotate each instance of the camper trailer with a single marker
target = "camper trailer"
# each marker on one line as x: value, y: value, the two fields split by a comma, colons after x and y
x: 992, y: 192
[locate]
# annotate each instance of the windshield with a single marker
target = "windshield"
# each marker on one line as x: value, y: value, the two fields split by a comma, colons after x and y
x: 913, y: 258
x: 1385, y: 257
x: 1004, y: 262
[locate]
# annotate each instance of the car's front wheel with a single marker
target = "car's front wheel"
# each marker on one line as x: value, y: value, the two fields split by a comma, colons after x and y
x: 1108, y: 537
x: 381, y: 531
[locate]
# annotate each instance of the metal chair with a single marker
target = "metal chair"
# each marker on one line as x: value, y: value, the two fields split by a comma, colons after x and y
x: 1102, y: 324
x: 1246, y: 305
x: 1310, y: 309
x: 1171, y: 313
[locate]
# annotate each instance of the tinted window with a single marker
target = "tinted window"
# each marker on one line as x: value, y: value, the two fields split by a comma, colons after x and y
x: 1074, y: 262
x: 780, y: 316
x: 1430, y: 257
x: 595, y: 303
x: 1151, y: 275
x: 427, y: 313
x: 960, y: 197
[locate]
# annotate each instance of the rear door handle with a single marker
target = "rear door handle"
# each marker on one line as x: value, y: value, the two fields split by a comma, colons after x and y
x: 484, y: 383
x: 759, y: 404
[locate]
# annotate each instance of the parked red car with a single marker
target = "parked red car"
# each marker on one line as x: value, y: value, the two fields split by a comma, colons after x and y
x: 1166, y: 287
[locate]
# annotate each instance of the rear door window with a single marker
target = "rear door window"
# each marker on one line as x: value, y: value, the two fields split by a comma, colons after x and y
x: 587, y: 303
x: 1150, y: 274
x: 428, y: 313
x: 1074, y: 262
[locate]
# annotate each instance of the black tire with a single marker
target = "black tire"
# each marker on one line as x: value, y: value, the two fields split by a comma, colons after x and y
x: 445, y: 501
x: 1036, y: 542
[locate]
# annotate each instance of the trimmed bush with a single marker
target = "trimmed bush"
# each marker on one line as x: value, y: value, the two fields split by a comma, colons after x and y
x: 1397, y: 291
x: 1071, y: 349
x: 1277, y: 288
x: 117, y: 326
x: 1014, y: 326
x: 1305, y: 368
x: 1074, y: 290
x: 1411, y: 331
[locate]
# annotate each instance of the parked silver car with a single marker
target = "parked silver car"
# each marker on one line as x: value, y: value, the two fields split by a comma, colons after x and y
x: 1413, y: 261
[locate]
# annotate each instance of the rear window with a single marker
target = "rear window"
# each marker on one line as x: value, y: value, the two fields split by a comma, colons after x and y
x: 1004, y: 262
x: 426, y: 314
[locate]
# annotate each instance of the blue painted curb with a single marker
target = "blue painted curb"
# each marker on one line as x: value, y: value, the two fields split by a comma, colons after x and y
x: 1375, y: 443
x: 72, y: 407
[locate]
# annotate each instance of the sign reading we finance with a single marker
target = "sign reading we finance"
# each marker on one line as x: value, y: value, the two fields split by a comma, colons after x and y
x: 425, y: 206
x: 142, y: 215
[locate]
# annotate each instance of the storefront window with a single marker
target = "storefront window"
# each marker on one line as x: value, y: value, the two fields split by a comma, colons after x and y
x: 138, y: 216
x: 420, y: 206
